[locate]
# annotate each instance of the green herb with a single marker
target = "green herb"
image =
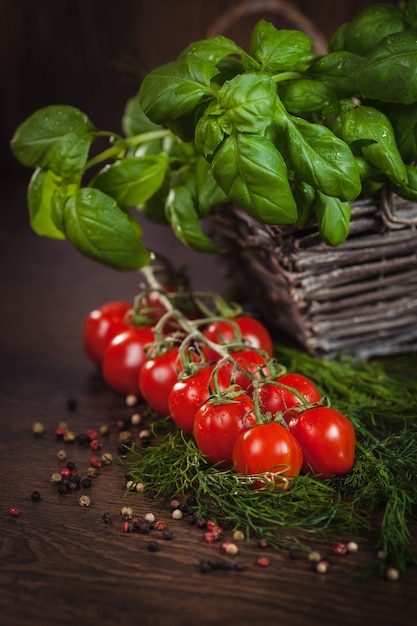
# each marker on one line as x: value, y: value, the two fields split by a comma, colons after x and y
x: 379, y: 398
x: 219, y: 125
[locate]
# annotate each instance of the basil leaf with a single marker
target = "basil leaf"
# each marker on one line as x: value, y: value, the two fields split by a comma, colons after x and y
x: 305, y: 196
x: 213, y: 49
x: 322, y: 159
x: 407, y: 190
x: 42, y: 187
x: 253, y: 174
x: 209, y: 193
x: 338, y: 70
x: 279, y: 50
x: 404, y: 122
x: 333, y: 218
x: 374, y: 133
x: 102, y: 232
x: 134, y: 120
x: 133, y: 180
x: 304, y: 96
x: 182, y: 215
x: 367, y: 28
x: 208, y: 133
x: 57, y: 138
x: 248, y: 101
x: 175, y: 89
x: 389, y: 70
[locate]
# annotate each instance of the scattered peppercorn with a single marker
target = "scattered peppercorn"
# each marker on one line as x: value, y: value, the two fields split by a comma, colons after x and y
x: 136, y: 419
x: 84, y: 501
x: 153, y: 546
x: 107, y: 518
x: 69, y: 436
x: 339, y: 549
x: 95, y: 462
x: 14, y: 511
x: 263, y: 561
x: 131, y: 399
x: 392, y: 574
x: 92, y: 472
x: 55, y: 478
x: 177, y: 514
x: 70, y: 465
x: 86, y: 483
x: 35, y: 496
x: 61, y: 455
x: 352, y: 546
x: 38, y: 428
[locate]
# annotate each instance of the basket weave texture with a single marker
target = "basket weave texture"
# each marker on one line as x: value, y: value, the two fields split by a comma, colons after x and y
x: 360, y: 297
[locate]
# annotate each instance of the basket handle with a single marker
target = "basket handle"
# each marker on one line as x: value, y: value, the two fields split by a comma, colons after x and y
x: 280, y: 7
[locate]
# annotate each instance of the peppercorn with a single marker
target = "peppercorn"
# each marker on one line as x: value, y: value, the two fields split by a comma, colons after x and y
x: 167, y: 534
x: 339, y: 549
x: 14, y: 511
x: 91, y: 434
x: 205, y: 566
x: 55, y: 478
x: 84, y: 501
x: 352, y: 546
x: 160, y: 525
x: 321, y: 567
x: 125, y: 436
x: 104, y: 430
x: 177, y: 514
x: 35, y: 496
x: 126, y: 512
x: 136, y: 419
x: 86, y: 483
x: 38, y: 428
x: 131, y: 399
x: 107, y: 458
x: 63, y: 487
x: 239, y: 567
x: 150, y: 517
x: 95, y: 462
x: 107, y: 518
x: 70, y: 465
x: 92, y: 472
x: 82, y: 439
x: 153, y: 546
x: 262, y: 543
x: 238, y: 535
x: 69, y: 436
x: 61, y: 455
x: 263, y: 561
x: 65, y: 472
x: 392, y: 574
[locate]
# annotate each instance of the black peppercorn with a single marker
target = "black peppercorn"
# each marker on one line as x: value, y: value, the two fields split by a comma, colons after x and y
x: 153, y: 546
x: 86, y: 483
x: 35, y: 496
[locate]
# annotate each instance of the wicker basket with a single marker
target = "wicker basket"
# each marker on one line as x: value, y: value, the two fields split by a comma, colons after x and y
x: 360, y: 297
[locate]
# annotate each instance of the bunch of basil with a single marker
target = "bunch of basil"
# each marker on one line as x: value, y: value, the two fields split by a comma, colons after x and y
x: 279, y: 131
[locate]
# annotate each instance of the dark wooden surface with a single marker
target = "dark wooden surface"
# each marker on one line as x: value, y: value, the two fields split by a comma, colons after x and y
x: 60, y: 563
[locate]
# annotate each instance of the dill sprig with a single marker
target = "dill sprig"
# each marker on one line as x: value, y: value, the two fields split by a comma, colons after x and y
x: 312, y: 510
x: 380, y: 399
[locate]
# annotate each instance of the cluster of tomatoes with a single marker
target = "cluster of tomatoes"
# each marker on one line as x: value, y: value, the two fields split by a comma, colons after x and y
x: 218, y: 381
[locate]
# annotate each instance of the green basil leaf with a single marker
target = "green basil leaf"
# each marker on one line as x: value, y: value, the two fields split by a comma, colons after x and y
x: 367, y: 28
x: 208, y: 133
x: 248, y: 101
x: 132, y: 180
x: 57, y: 138
x: 305, y: 196
x: 304, y: 96
x: 338, y: 70
x: 389, y: 70
x: 322, y: 160
x: 154, y: 207
x: 175, y: 89
x: 42, y: 187
x: 184, y: 220
x: 333, y: 218
x: 410, y: 13
x: 404, y: 122
x: 213, y: 49
x: 374, y: 133
x: 253, y: 175
x: 209, y: 194
x: 102, y: 232
x: 407, y: 190
x: 279, y: 50
x: 134, y: 120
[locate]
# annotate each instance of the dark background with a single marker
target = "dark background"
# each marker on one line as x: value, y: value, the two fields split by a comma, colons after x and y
x: 92, y: 53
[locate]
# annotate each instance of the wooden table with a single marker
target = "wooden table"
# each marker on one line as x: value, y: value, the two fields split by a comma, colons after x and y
x: 60, y: 563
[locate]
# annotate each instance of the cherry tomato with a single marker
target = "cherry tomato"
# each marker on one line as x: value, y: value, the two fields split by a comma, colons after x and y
x: 248, y: 360
x: 253, y: 332
x: 275, y: 399
x: 188, y: 394
x: 268, y: 449
x: 217, y: 425
x: 156, y: 379
x: 101, y: 325
x: 124, y: 357
x: 327, y: 439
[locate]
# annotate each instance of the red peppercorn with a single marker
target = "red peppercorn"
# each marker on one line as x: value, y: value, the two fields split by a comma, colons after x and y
x: 65, y: 472
x: 95, y: 444
x: 14, y: 511
x: 160, y: 525
x: 126, y: 526
x: 263, y: 561
x: 210, y: 537
x: 339, y: 549
x: 95, y: 462
x: 92, y: 434
x: 60, y: 432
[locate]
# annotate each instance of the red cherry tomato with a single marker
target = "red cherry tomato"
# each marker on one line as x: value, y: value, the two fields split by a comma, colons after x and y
x: 217, y: 425
x: 327, y: 439
x: 124, y: 357
x: 156, y: 379
x: 188, y: 394
x: 275, y: 399
x: 101, y: 325
x: 253, y: 332
x: 268, y: 449
x: 247, y: 360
